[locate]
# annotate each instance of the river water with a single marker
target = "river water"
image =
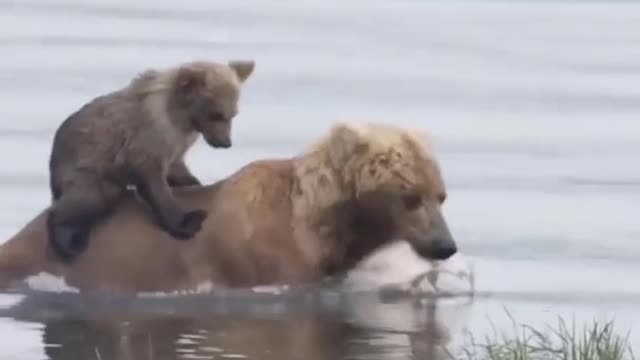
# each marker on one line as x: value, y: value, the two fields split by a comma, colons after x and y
x: 534, y: 107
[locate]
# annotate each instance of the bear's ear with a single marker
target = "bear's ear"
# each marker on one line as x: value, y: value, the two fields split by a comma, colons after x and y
x: 189, y: 79
x: 345, y: 141
x: 420, y: 136
x: 242, y: 68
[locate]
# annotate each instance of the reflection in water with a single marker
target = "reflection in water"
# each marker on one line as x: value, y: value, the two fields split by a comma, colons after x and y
x: 355, y: 326
x: 310, y: 336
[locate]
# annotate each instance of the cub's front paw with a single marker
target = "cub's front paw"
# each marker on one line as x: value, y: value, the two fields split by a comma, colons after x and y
x: 188, y: 224
x: 68, y: 242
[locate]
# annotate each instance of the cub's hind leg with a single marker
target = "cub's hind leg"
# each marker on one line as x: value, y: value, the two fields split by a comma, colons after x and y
x: 79, y: 207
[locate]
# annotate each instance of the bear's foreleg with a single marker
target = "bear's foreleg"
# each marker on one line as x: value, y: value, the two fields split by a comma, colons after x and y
x: 79, y: 208
x: 153, y: 187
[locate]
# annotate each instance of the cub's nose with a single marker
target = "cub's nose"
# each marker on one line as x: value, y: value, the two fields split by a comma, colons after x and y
x: 219, y: 143
x: 225, y: 144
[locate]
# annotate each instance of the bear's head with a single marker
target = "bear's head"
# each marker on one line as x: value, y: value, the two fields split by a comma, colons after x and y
x: 206, y: 95
x: 396, y: 186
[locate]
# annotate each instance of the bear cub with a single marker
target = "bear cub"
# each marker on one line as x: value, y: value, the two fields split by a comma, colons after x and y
x: 138, y: 135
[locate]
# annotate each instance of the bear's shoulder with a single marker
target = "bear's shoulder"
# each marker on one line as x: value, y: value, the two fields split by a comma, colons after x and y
x: 260, y: 180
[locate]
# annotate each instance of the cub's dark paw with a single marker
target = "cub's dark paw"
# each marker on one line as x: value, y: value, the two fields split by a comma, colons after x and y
x: 175, y: 181
x: 189, y: 224
x: 68, y: 242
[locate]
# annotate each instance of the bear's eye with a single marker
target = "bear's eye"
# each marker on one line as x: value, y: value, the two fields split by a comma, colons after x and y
x: 412, y: 202
x: 442, y: 197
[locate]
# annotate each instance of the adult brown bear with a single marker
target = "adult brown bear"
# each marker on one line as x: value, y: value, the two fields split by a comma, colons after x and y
x: 290, y: 220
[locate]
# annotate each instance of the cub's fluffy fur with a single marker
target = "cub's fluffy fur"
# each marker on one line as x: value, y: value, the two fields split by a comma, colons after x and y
x: 138, y: 135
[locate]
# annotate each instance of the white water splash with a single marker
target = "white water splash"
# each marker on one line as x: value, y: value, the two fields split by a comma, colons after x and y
x: 398, y: 266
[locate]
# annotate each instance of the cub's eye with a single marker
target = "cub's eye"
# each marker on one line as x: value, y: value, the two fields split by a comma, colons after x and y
x: 216, y: 117
x: 412, y: 202
x: 442, y: 197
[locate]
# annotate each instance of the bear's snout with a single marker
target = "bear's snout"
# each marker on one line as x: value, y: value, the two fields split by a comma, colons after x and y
x: 436, y: 241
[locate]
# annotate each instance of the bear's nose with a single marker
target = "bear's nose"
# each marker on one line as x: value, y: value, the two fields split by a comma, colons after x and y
x: 443, y: 253
x: 436, y: 249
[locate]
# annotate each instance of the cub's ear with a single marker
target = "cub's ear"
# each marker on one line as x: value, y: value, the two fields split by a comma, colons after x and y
x: 346, y: 140
x: 242, y: 68
x: 189, y: 79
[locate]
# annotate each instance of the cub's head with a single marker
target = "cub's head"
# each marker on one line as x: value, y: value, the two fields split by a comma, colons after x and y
x: 207, y: 96
x: 396, y: 184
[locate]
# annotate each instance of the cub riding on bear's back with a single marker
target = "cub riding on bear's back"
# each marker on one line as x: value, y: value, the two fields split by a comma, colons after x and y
x: 138, y: 135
